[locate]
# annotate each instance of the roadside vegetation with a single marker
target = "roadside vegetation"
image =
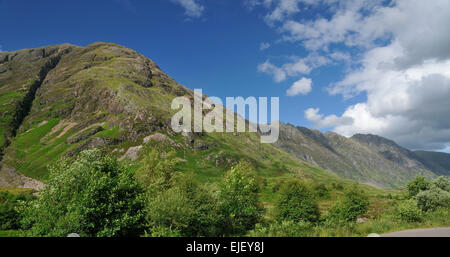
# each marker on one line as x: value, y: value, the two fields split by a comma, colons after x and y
x: 93, y: 194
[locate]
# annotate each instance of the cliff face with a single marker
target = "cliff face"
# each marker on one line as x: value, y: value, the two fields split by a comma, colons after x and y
x: 366, y: 158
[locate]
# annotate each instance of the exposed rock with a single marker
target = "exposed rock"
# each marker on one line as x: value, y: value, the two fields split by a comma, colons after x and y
x: 84, y: 135
x: 132, y: 153
x: 158, y: 137
x: 10, y: 178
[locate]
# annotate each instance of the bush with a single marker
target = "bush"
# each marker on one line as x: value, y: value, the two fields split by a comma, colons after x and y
x: 433, y: 198
x: 185, y: 209
x: 296, y: 202
x: 416, y: 185
x: 93, y: 195
x: 354, y: 204
x: 238, y: 198
x: 442, y: 183
x: 322, y: 191
x: 408, y: 211
x: 284, y: 228
x: 10, y: 216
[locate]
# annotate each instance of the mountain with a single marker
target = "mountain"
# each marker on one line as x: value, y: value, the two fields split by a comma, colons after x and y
x: 58, y: 100
x: 437, y: 162
x: 368, y: 159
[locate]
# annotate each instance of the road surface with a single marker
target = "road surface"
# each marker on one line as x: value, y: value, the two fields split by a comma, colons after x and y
x: 425, y: 232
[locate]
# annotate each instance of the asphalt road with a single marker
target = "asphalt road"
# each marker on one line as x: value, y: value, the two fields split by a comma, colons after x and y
x: 426, y: 232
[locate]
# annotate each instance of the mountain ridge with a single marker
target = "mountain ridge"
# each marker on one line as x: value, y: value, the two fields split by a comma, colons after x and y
x: 58, y: 100
x: 366, y: 158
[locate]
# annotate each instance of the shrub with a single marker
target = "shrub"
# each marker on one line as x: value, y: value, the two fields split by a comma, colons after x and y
x: 296, y: 202
x: 284, y: 228
x: 416, y: 185
x: 408, y: 211
x: 354, y: 204
x: 322, y: 191
x: 10, y: 216
x: 433, y: 198
x: 92, y: 195
x: 156, y: 173
x: 442, y: 183
x: 185, y: 209
x: 238, y: 197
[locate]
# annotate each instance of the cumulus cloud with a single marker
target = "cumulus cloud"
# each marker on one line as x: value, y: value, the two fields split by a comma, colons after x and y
x: 268, y: 68
x: 298, y: 66
x: 192, y: 8
x: 402, y: 52
x: 302, y: 86
x: 319, y: 121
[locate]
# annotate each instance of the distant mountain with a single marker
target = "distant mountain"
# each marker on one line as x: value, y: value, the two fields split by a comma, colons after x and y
x: 58, y: 100
x: 368, y: 159
x: 435, y: 161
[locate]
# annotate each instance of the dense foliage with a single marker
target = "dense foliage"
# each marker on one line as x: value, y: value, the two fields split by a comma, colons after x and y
x: 238, y: 199
x: 179, y: 206
x: 416, y: 185
x: 10, y: 215
x: 93, y: 195
x: 354, y: 204
x: 296, y: 202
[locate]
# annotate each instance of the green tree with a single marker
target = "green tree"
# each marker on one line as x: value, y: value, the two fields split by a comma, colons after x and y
x: 238, y: 197
x: 296, y: 202
x: 176, y: 204
x: 157, y: 170
x: 433, y: 198
x: 416, y: 185
x: 185, y: 209
x: 442, y: 183
x: 355, y: 203
x: 408, y: 211
x: 10, y: 216
x: 93, y: 195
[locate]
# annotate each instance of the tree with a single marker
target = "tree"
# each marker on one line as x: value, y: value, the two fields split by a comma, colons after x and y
x: 442, y: 183
x: 10, y: 216
x: 238, y: 197
x: 176, y: 204
x: 355, y: 203
x: 185, y: 209
x: 297, y: 202
x: 93, y: 195
x: 416, y: 185
x: 408, y: 211
x: 433, y: 198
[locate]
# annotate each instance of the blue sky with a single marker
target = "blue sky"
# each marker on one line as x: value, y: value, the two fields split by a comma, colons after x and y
x: 336, y: 51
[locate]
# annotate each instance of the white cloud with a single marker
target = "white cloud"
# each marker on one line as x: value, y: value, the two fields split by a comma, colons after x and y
x: 319, y: 121
x: 192, y: 8
x: 407, y: 80
x: 302, y: 86
x: 298, y: 66
x: 400, y: 61
x: 277, y: 73
x: 263, y: 46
